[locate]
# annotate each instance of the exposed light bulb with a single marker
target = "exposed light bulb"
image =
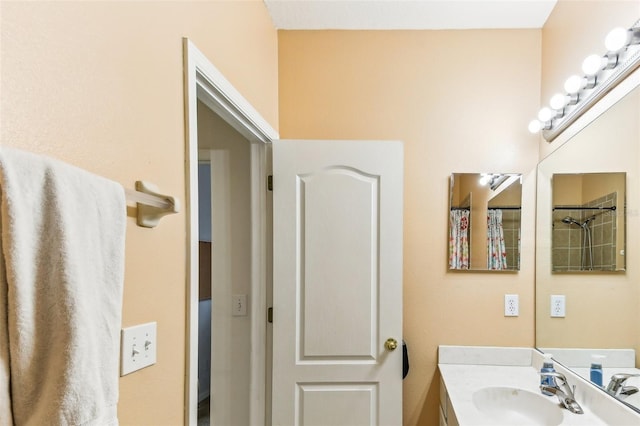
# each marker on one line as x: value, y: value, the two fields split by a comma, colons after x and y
x: 574, y: 84
x: 593, y: 64
x: 535, y: 126
x: 558, y: 101
x: 484, y: 179
x: 616, y: 39
x: 594, y: 67
x: 545, y: 114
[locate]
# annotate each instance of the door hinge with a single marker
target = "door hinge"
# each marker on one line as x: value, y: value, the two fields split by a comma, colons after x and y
x: 270, y: 314
x: 270, y: 182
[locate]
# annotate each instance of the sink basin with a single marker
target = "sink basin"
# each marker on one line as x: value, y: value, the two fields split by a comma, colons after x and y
x: 513, y: 406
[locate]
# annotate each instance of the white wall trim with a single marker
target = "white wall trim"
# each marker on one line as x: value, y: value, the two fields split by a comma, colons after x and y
x: 203, y: 81
x: 219, y: 94
x: 258, y: 303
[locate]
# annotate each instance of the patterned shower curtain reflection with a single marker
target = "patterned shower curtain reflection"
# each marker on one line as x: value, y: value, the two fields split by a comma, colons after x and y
x: 459, y: 239
x: 497, y: 252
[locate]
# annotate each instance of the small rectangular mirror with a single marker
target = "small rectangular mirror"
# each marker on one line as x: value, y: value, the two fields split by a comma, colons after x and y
x: 484, y: 221
x: 588, y: 222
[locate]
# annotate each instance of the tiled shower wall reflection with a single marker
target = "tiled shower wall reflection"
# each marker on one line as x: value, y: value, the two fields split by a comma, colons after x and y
x: 568, y: 239
x: 511, y: 229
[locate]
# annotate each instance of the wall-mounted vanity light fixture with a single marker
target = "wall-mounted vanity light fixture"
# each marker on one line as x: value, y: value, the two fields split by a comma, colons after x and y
x: 600, y: 75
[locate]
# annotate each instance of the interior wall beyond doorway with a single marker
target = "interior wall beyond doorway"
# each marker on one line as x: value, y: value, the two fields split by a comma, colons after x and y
x: 231, y: 267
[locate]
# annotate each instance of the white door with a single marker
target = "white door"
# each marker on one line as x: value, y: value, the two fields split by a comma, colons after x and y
x: 337, y: 283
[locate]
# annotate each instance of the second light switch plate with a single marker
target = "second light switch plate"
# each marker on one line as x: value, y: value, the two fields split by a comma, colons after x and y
x: 239, y: 305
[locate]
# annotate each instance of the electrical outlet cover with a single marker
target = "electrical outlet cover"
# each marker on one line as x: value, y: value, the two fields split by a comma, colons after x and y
x: 511, y: 308
x: 558, y: 306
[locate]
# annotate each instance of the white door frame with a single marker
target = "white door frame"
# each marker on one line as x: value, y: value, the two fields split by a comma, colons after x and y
x: 203, y: 82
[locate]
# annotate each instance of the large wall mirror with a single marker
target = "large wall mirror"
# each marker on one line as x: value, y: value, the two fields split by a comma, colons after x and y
x: 601, y: 307
x: 484, y: 221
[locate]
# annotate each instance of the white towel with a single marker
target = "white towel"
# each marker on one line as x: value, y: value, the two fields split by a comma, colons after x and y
x: 62, y: 234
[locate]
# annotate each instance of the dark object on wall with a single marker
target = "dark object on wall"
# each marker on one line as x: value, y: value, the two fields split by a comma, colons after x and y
x: 405, y: 360
x: 205, y: 270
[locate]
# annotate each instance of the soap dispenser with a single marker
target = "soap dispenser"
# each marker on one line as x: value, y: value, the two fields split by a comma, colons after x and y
x: 595, y: 373
x: 547, y: 367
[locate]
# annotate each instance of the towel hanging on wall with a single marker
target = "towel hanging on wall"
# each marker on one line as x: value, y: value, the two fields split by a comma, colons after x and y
x: 62, y: 234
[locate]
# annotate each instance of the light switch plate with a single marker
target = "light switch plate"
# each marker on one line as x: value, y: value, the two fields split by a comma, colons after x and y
x: 239, y: 305
x: 138, y: 347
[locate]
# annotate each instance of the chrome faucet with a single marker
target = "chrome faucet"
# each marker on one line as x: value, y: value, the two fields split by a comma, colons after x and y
x: 563, y: 391
x: 616, y: 385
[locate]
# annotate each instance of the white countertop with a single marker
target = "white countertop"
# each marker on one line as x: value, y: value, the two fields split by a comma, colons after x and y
x: 466, y: 369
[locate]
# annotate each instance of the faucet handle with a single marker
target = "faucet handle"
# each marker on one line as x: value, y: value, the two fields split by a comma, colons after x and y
x: 554, y: 374
x: 617, y: 380
x: 623, y: 376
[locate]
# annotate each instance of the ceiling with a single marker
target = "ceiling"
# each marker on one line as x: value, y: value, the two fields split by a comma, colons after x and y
x: 408, y: 14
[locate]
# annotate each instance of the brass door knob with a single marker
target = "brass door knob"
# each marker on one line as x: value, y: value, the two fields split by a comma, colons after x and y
x: 391, y: 344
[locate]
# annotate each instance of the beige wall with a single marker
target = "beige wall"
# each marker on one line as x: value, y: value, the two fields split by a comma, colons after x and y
x: 99, y: 85
x: 575, y: 30
x: 460, y: 101
x: 510, y: 197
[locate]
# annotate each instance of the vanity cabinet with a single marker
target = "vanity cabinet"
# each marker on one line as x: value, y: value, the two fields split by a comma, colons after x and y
x: 447, y: 414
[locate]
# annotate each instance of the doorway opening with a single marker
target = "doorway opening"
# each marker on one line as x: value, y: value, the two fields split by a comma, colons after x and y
x: 224, y: 213
x: 209, y: 94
